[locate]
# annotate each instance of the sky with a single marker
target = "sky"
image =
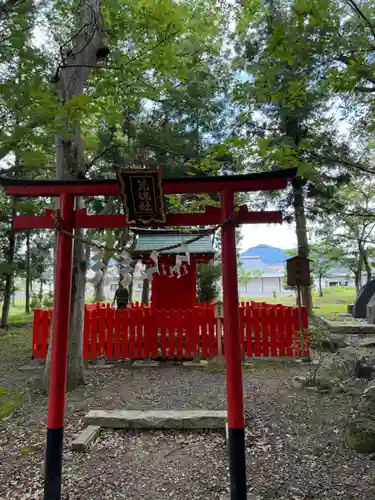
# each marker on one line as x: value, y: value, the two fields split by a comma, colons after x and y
x: 276, y: 235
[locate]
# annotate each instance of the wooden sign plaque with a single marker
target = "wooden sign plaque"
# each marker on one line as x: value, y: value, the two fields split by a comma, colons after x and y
x: 142, y: 196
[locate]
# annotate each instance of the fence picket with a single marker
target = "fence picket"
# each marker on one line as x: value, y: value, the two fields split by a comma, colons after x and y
x: 109, y: 340
x: 154, y: 326
x: 257, y: 332
x: 203, y: 332
x: 139, y: 330
x: 163, y: 334
x: 102, y: 332
x: 264, y: 325
x: 280, y: 320
x: 36, y: 335
x: 117, y: 346
x: 86, y: 334
x: 190, y: 332
x: 132, y: 331
x: 273, y: 332
x: 171, y: 334
x: 298, y: 334
x: 249, y: 331
x: 241, y: 312
x: 45, y: 333
x: 212, y: 344
x: 147, y: 332
x: 93, y: 333
x: 125, y: 327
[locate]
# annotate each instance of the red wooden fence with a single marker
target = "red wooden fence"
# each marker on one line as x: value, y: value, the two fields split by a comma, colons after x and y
x: 267, y: 330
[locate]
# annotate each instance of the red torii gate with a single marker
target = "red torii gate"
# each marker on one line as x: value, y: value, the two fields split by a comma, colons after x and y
x: 72, y: 219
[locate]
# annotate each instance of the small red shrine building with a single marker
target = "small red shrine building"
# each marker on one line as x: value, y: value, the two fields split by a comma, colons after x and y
x: 173, y: 288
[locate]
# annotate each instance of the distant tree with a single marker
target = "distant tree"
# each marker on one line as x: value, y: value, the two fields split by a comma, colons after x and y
x: 246, y: 276
x: 322, y: 259
x: 207, y: 282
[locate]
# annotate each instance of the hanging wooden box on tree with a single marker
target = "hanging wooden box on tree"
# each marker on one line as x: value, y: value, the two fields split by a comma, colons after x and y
x: 298, y: 271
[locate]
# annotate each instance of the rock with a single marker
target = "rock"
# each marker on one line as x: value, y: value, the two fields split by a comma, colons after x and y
x: 366, y: 405
x: 364, y: 368
x: 368, y: 343
x: 349, y: 353
x: 333, y: 343
x: 340, y: 365
x: 369, y: 392
x: 370, y: 311
x: 298, y: 382
x: 325, y: 385
x: 312, y: 388
x: 360, y: 435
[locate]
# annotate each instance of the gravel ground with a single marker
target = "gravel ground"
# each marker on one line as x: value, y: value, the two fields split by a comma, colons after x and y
x: 294, y: 440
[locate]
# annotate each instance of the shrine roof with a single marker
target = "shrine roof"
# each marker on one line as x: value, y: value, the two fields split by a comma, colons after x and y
x: 150, y: 240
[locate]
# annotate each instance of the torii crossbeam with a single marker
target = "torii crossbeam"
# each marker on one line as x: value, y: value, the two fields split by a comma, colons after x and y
x: 72, y: 219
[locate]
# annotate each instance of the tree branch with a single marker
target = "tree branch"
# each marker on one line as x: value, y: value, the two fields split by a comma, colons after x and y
x: 357, y: 9
x: 365, y: 89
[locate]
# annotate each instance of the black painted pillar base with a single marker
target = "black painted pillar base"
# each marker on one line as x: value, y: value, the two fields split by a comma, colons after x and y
x: 52, y: 478
x: 237, y: 464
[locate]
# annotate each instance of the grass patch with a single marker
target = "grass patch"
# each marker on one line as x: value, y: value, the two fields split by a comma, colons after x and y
x: 26, y: 450
x: 9, y: 401
x: 335, y: 300
x: 213, y: 368
x: 17, y: 315
x: 15, y: 344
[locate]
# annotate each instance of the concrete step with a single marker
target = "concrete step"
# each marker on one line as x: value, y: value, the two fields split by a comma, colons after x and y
x: 85, y: 439
x: 158, y: 419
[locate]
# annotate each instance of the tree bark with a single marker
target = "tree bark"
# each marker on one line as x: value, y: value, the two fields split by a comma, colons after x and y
x: 302, y: 240
x: 40, y: 291
x: 99, y: 288
x: 75, y: 374
x: 28, y: 272
x: 320, y: 287
x: 359, y: 268
x: 367, y: 266
x: 9, y: 274
x: 70, y: 163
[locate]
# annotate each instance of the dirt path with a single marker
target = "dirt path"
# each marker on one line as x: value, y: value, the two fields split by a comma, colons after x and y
x: 293, y: 441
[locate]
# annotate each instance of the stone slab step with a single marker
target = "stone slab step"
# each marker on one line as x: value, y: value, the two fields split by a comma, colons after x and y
x: 86, y: 438
x: 140, y: 363
x: 158, y: 419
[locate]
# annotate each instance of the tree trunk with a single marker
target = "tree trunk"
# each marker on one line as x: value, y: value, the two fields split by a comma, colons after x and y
x: 9, y: 275
x: 40, y: 291
x: 130, y: 292
x: 320, y: 287
x: 75, y: 375
x: 28, y: 272
x: 302, y: 241
x: 359, y: 268
x: 357, y: 281
x: 145, y: 292
x: 367, y: 266
x: 99, y: 288
x: 70, y: 163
